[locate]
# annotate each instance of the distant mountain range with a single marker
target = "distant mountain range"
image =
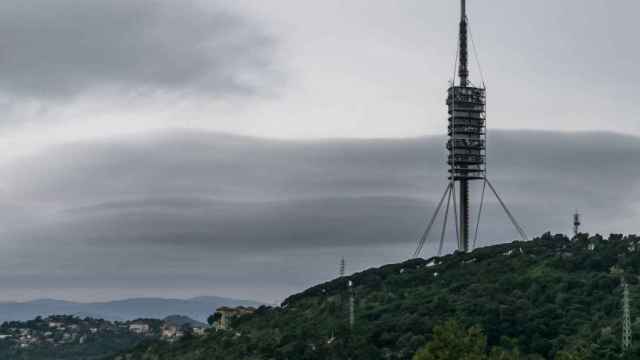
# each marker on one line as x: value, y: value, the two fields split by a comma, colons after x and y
x: 198, y: 308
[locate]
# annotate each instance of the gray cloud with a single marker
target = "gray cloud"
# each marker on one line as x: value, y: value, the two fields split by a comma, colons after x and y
x: 62, y: 48
x: 208, y: 188
x: 212, y: 207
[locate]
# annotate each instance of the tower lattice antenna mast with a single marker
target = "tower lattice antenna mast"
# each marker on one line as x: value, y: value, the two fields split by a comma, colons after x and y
x: 350, y: 290
x: 467, y: 151
x: 626, y: 317
x: 352, y: 306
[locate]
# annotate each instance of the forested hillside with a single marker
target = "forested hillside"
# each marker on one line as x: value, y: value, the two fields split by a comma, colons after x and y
x: 551, y: 298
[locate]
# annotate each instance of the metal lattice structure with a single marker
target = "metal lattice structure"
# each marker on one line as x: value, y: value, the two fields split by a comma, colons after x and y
x: 467, y: 151
x: 352, y: 306
x: 576, y: 223
x: 626, y: 318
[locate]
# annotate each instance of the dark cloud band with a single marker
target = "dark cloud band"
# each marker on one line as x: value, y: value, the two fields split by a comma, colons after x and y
x: 215, y: 207
x: 222, y: 191
x: 62, y: 48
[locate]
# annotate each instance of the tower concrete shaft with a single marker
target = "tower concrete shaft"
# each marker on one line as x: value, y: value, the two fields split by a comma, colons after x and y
x: 464, y: 216
x: 464, y: 81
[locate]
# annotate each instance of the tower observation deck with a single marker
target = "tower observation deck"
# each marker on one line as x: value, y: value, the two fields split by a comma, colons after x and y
x: 467, y: 135
x: 466, y: 146
x: 467, y: 149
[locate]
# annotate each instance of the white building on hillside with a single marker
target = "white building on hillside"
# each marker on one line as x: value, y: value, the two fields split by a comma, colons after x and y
x: 139, y: 328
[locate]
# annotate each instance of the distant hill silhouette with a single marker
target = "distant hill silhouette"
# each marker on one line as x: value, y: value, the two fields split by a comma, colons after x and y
x: 198, y: 308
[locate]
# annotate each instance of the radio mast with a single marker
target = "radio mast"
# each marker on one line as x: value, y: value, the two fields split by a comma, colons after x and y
x: 576, y: 223
x: 467, y: 150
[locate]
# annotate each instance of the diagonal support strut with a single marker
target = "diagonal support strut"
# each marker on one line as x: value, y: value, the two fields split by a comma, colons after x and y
x: 446, y: 217
x: 425, y: 235
x: 509, y: 214
x: 484, y: 188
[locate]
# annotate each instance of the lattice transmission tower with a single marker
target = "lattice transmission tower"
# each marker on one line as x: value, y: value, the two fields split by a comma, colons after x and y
x: 352, y: 305
x: 351, y: 292
x: 626, y: 317
x: 576, y: 224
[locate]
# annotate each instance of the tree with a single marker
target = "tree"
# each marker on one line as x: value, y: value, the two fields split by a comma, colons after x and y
x: 571, y: 355
x: 501, y: 354
x: 212, y: 319
x: 451, y: 341
x: 187, y: 331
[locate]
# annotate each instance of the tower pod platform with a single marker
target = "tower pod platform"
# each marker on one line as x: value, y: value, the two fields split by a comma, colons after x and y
x: 467, y: 135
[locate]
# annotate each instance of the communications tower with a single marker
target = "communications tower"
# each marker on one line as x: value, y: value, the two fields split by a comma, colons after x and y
x: 576, y: 224
x: 467, y: 150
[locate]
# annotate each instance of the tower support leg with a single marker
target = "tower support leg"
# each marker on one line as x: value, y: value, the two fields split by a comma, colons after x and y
x: 484, y: 189
x: 446, y: 217
x: 506, y: 210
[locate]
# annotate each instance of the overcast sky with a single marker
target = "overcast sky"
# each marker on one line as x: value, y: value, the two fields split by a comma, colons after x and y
x: 116, y: 179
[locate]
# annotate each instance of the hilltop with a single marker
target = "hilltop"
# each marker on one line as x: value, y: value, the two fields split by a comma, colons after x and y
x: 538, y: 298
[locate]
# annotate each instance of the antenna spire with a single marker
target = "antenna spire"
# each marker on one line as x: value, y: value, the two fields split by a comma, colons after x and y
x: 463, y: 70
x: 464, y: 10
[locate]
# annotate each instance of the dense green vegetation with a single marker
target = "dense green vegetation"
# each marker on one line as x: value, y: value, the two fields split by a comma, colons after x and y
x: 550, y: 298
x: 452, y: 341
